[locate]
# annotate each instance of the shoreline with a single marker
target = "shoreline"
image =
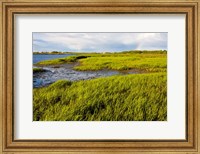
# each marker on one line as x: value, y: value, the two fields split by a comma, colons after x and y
x: 90, y: 66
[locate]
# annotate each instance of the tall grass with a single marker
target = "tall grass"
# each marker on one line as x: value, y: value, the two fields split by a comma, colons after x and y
x: 147, y: 61
x: 140, y: 97
x: 153, y: 64
x: 136, y: 97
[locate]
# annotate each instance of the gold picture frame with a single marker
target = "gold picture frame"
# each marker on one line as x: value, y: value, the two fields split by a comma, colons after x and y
x: 9, y: 8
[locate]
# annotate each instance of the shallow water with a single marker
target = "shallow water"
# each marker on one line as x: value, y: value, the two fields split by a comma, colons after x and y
x: 54, y: 73
x: 40, y: 57
x: 59, y: 72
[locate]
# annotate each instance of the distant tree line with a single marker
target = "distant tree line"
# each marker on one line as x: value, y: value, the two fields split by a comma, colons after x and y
x: 50, y: 52
x: 146, y: 51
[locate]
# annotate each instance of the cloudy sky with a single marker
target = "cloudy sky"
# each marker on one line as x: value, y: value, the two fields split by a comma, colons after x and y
x: 98, y: 42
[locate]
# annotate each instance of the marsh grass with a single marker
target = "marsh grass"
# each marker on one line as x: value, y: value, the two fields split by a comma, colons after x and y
x: 133, y: 97
x: 57, y: 61
x: 155, y: 64
x: 146, y: 61
x: 141, y: 97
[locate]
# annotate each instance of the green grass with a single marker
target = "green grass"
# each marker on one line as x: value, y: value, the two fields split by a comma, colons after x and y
x: 57, y: 61
x: 135, y: 97
x: 141, y: 97
x: 36, y: 70
x: 145, y: 61
x: 124, y: 62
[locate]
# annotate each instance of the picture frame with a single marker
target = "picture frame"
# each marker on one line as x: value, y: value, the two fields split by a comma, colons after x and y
x: 7, y: 46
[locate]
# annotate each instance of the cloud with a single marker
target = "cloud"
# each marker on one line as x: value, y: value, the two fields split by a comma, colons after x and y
x: 89, y: 42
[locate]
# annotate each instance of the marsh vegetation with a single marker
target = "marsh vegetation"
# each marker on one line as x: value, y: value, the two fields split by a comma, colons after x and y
x: 137, y: 92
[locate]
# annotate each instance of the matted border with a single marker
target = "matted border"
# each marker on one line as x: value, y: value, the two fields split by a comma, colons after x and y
x: 9, y: 9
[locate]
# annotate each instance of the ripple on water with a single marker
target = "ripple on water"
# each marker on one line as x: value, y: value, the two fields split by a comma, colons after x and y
x: 54, y: 73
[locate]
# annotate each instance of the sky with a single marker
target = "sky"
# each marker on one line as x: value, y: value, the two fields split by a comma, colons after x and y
x: 98, y: 42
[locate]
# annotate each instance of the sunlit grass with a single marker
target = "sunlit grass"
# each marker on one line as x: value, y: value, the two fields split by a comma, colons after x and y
x: 141, y: 97
x: 135, y: 97
x: 57, y: 61
x: 123, y: 63
x: 147, y: 61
